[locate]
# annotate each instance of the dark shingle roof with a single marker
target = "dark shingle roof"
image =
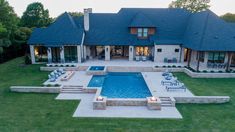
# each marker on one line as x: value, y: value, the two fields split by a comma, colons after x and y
x: 203, y: 31
x: 63, y: 31
x: 207, y: 32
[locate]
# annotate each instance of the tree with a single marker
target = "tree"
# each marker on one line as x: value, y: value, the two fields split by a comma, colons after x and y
x: 76, y: 14
x: 191, y: 5
x: 8, y: 24
x: 35, y: 16
x: 228, y: 17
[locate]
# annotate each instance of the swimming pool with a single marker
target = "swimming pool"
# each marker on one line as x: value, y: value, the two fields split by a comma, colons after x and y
x: 121, y: 85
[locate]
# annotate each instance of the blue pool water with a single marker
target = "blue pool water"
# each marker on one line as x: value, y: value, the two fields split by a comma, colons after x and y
x: 96, y: 68
x: 121, y: 85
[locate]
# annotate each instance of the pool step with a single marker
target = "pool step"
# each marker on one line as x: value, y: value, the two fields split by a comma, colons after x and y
x: 72, y: 89
x: 167, y: 102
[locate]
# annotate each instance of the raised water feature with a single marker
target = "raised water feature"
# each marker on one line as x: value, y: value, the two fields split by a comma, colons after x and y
x: 96, y: 70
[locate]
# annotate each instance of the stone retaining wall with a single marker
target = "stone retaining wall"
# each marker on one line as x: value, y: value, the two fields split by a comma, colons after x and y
x: 33, y: 89
x: 203, y: 99
x: 128, y: 69
x: 208, y: 75
x: 126, y: 102
x: 55, y: 68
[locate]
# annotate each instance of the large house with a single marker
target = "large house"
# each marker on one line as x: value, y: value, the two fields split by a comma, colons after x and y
x: 201, y: 40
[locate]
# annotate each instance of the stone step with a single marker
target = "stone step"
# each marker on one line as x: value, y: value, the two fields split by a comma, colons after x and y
x: 166, y: 105
x: 72, y: 92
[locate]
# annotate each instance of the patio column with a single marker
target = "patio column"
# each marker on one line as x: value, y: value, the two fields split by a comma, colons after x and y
x: 189, y: 57
x: 107, y: 53
x: 205, y: 58
x: 198, y: 61
x: 131, y: 53
x: 84, y: 52
x: 32, y: 55
x: 228, y: 61
x: 155, y: 53
x: 62, y: 54
x: 49, y: 55
x: 182, y: 54
x: 79, y: 54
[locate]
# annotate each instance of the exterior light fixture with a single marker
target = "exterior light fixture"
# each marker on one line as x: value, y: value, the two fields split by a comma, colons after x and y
x: 100, y: 98
x: 153, y: 99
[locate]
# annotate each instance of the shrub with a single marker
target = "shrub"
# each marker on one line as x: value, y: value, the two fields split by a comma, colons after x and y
x: 61, y: 65
x: 27, y: 60
x: 67, y: 65
x: 56, y: 65
x: 212, y: 71
x: 205, y: 71
x: 156, y: 66
x: 174, y: 66
x: 179, y: 66
x: 72, y: 65
x: 48, y: 85
x: 50, y: 65
x: 164, y: 66
x: 57, y: 85
x: 169, y: 66
x: 234, y: 71
x: 220, y: 71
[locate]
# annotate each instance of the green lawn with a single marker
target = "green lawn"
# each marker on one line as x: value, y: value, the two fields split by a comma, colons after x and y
x: 41, y: 112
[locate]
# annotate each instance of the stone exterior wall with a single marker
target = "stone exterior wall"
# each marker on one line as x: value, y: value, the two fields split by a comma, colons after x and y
x: 128, y: 69
x: 168, y: 51
x: 33, y: 89
x: 203, y: 99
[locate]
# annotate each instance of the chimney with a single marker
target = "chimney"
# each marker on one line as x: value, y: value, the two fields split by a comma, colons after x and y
x: 87, y: 11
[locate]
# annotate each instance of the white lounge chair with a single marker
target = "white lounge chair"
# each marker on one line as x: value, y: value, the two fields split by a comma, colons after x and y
x: 176, y: 87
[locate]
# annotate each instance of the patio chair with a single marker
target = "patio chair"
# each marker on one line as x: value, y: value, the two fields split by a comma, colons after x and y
x: 52, y: 79
x: 144, y: 58
x: 168, y: 77
x: 165, y: 60
x: 174, y: 60
x: 137, y: 58
x: 176, y: 87
x: 165, y: 73
x: 171, y: 82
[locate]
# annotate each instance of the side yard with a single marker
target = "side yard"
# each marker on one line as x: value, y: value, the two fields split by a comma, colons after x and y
x: 41, y: 112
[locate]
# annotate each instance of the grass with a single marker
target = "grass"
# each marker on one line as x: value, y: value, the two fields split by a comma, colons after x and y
x: 41, y: 112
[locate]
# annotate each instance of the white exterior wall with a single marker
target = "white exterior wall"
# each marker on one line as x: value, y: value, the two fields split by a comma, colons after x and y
x: 168, y: 51
x: 107, y: 53
x: 131, y: 53
x: 79, y: 54
x: 32, y: 54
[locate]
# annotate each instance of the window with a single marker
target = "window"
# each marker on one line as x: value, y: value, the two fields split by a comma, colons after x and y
x: 70, y: 54
x: 159, y: 50
x: 177, y: 50
x: 201, y: 56
x: 142, y: 32
x: 216, y: 57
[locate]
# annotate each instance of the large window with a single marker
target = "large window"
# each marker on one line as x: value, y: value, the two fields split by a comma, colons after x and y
x: 142, y: 32
x: 201, y: 56
x: 216, y: 57
x: 143, y: 51
x: 40, y: 53
x: 70, y: 53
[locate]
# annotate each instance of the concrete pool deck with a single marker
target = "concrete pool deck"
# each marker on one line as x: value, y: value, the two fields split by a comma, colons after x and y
x: 153, y: 81
x: 85, y: 109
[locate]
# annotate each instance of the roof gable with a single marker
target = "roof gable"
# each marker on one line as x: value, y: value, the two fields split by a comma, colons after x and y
x: 141, y: 20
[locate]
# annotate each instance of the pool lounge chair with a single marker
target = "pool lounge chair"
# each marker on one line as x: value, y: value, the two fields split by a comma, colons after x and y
x: 171, y: 82
x: 176, y: 87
